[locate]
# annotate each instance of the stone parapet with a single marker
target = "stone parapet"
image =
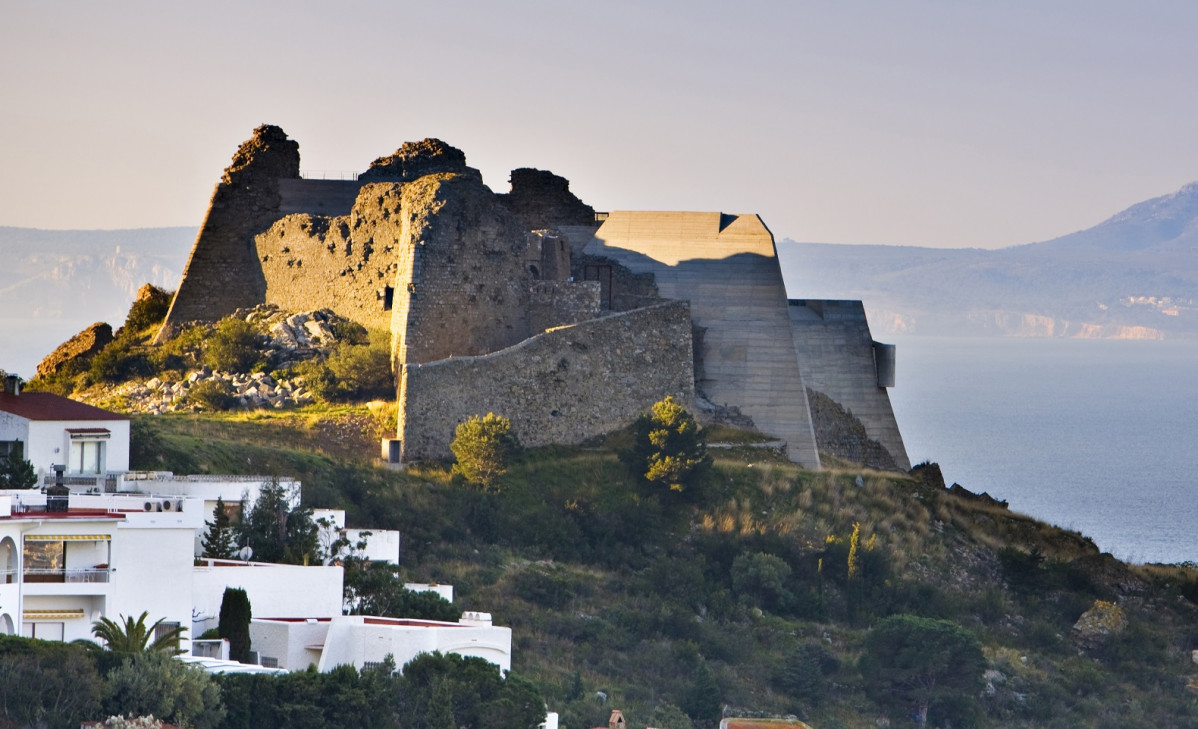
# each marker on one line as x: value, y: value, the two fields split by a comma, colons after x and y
x: 563, y: 386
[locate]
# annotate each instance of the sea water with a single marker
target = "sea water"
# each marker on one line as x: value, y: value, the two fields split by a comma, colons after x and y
x: 1099, y: 436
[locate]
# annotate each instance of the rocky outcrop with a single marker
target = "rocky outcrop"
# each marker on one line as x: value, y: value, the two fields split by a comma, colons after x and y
x: 416, y: 159
x: 543, y: 200
x: 1103, y: 621
x: 76, y: 353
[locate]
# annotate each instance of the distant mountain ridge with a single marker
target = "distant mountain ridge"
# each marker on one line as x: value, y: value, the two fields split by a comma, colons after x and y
x: 1132, y: 276
x: 53, y: 283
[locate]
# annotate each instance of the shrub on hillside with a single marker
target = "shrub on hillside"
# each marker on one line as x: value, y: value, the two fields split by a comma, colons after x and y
x: 148, y: 310
x: 482, y: 446
x: 358, y: 368
x: 121, y: 360
x: 668, y: 448
x: 233, y: 346
x: 213, y: 394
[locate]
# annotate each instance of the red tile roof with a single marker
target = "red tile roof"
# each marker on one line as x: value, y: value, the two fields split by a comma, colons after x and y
x: 48, y: 406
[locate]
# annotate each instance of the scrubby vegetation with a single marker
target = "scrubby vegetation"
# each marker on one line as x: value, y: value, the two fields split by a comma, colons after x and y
x: 757, y: 597
x: 341, y: 362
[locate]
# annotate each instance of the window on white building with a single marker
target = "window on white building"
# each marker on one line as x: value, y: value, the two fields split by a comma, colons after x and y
x: 43, y: 631
x: 87, y: 456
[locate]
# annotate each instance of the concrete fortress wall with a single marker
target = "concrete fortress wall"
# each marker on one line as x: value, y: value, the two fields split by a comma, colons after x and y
x: 727, y: 268
x: 838, y: 357
x: 561, y: 386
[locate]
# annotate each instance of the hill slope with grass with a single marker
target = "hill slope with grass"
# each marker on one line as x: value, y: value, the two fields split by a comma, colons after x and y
x: 751, y: 593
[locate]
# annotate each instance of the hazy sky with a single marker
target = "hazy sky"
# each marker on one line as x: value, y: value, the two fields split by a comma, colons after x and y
x: 898, y: 121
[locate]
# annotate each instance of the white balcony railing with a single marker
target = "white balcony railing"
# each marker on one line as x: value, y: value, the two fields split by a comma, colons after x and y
x: 86, y: 574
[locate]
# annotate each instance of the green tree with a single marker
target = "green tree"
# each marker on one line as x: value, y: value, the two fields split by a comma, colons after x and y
x: 668, y: 447
x: 703, y: 701
x: 482, y: 447
x: 220, y: 539
x: 478, y: 697
x: 761, y: 578
x: 356, y: 369
x: 234, y: 623
x: 15, y: 471
x: 232, y: 346
x: 276, y: 531
x: 915, y: 664
x: 133, y: 636
x: 159, y: 685
x: 374, y: 588
x: 46, y: 684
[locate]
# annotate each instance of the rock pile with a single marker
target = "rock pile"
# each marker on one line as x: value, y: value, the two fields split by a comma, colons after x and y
x: 258, y: 390
x: 294, y: 338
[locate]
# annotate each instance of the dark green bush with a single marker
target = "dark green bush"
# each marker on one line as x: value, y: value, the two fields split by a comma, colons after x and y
x: 233, y: 346
x: 213, y: 394
x: 150, y: 310
x: 355, y: 370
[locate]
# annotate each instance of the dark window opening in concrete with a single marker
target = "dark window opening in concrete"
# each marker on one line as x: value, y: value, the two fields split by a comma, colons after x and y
x: 536, y: 273
x: 388, y: 297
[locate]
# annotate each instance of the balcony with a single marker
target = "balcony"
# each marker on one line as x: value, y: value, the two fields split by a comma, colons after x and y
x: 96, y: 574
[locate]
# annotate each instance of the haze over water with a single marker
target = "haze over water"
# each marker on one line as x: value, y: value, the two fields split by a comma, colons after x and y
x: 1099, y: 436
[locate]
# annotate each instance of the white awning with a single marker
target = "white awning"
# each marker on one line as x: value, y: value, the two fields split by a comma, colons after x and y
x: 51, y: 614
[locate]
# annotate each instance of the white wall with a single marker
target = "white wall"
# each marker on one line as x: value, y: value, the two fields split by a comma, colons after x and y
x: 357, y: 640
x: 274, y: 590
x: 48, y: 443
x: 152, y: 571
x: 288, y: 641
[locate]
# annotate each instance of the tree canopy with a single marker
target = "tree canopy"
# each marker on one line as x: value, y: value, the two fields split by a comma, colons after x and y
x: 277, y: 532
x: 668, y: 448
x: 482, y: 446
x: 133, y: 636
x: 914, y: 664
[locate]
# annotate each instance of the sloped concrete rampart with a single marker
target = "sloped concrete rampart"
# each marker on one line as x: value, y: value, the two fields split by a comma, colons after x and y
x: 837, y: 355
x: 727, y: 268
x: 562, y: 386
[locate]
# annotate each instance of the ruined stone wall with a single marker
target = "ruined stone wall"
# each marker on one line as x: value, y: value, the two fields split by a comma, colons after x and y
x: 558, y: 303
x: 222, y: 273
x: 461, y: 285
x: 345, y: 263
x: 543, y: 200
x: 563, y: 386
x: 836, y: 353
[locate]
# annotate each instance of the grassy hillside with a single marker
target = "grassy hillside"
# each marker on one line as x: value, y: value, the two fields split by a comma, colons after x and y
x: 737, y: 593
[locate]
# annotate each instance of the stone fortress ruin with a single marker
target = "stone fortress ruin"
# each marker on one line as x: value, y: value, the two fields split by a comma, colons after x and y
x: 531, y: 305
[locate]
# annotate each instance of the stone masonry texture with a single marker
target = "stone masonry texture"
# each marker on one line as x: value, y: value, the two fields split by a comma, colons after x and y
x: 222, y: 273
x: 562, y: 386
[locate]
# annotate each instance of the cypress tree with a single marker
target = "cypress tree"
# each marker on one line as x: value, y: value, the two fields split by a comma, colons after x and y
x: 234, y: 623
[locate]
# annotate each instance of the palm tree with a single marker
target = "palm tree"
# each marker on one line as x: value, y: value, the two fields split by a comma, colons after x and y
x: 134, y: 636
